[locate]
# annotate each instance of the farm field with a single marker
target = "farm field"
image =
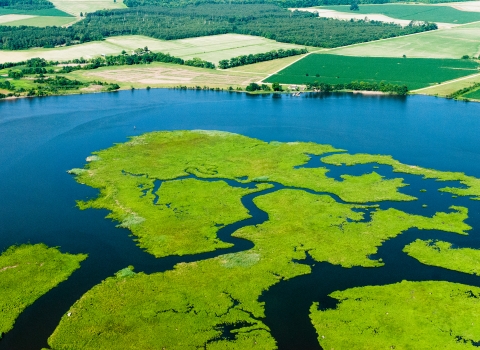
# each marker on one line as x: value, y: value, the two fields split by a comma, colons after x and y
x: 474, y: 94
x: 346, y: 16
x: 75, y: 7
x: 45, y: 12
x: 444, y: 43
x: 36, y: 18
x: 473, y: 6
x: 38, y: 21
x: 448, y: 88
x: 167, y: 75
x: 429, y: 13
x: 11, y: 18
x: 211, y: 48
x: 414, y: 73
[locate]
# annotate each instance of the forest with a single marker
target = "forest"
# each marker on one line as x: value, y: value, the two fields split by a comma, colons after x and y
x: 269, y: 21
x: 281, y: 3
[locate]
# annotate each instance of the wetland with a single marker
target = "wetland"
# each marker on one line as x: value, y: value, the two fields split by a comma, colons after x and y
x: 334, y: 220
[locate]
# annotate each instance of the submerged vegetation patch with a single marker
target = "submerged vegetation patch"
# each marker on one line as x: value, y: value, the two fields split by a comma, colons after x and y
x: 26, y: 273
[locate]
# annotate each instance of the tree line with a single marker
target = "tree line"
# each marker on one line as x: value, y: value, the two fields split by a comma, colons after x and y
x: 26, y: 4
x: 259, y: 57
x: 139, y: 56
x: 458, y: 94
x: 359, y: 86
x: 30, y: 63
x: 269, y: 21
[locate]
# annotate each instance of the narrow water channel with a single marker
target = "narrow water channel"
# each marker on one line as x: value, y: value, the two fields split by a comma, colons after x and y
x: 287, y: 303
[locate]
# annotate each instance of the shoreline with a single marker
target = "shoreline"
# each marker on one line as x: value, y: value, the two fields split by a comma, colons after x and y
x: 218, y: 89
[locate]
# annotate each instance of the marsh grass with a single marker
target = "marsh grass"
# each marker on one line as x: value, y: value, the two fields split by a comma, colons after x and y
x: 26, y: 273
x: 190, y: 306
x: 405, y: 315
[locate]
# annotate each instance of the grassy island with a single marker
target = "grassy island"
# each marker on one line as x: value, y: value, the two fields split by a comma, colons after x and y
x: 441, y: 254
x: 126, y: 173
x: 175, y: 190
x: 26, y: 273
x: 406, y: 315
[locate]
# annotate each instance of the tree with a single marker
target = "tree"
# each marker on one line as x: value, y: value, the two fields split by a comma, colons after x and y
x: 15, y: 74
x: 253, y: 87
x: 277, y: 87
x: 354, y: 6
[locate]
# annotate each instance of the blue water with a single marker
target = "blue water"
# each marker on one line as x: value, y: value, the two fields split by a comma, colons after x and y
x: 41, y: 138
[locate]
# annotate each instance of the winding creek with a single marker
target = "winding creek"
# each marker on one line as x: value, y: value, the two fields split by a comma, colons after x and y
x: 40, y: 139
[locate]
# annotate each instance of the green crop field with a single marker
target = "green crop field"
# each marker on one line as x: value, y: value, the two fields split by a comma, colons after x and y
x: 445, y: 43
x: 428, y: 13
x: 474, y: 94
x: 41, y: 21
x: 413, y: 72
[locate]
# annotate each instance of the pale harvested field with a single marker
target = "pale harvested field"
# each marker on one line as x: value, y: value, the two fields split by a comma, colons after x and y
x: 470, y: 6
x: 74, y: 7
x: 447, y: 88
x: 11, y: 18
x: 444, y: 43
x: 346, y: 16
x: 163, y: 74
x: 211, y: 48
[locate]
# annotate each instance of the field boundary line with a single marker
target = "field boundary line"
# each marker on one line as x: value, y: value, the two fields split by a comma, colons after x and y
x: 447, y: 82
x: 288, y: 65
